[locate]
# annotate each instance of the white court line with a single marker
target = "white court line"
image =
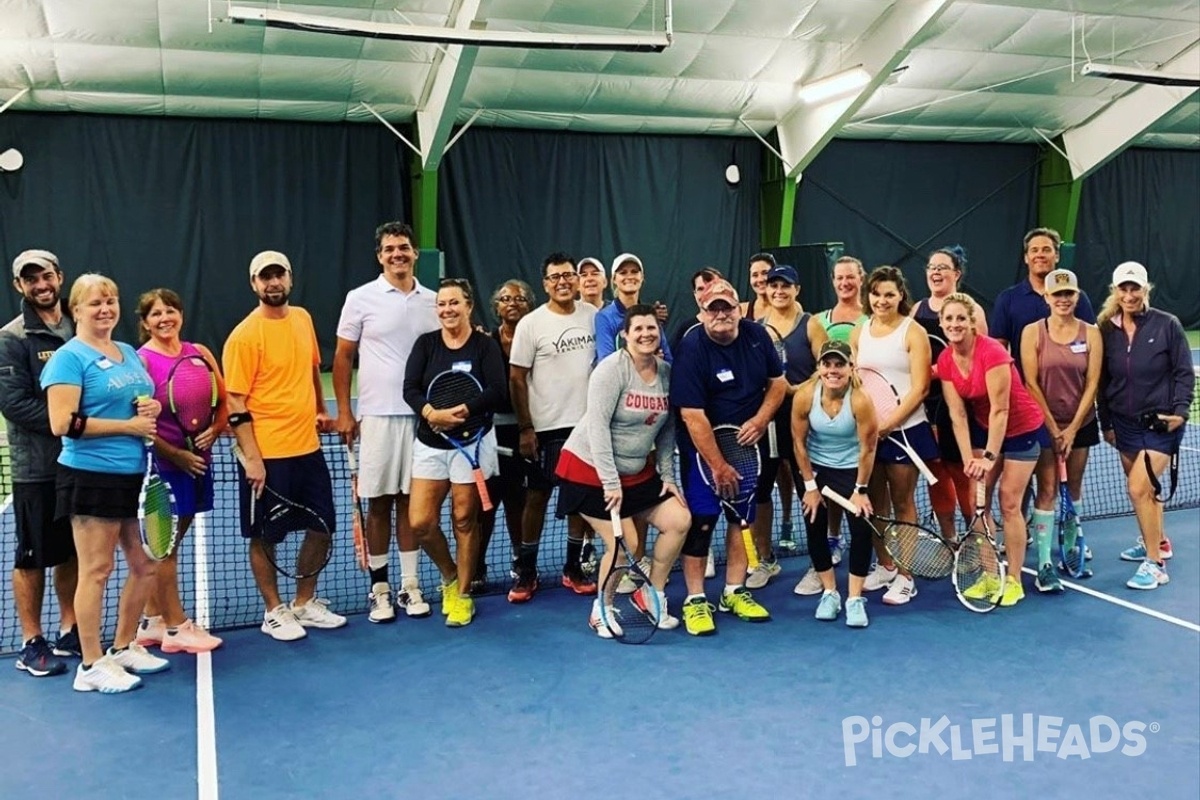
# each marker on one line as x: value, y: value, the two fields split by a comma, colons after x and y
x: 1108, y: 598
x: 206, y: 717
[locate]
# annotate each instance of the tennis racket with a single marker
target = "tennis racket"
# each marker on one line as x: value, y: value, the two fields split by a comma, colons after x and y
x: 979, y: 571
x: 747, y: 462
x: 273, y: 517
x: 192, y: 400
x: 631, y: 618
x: 454, y: 388
x: 361, y: 551
x: 1071, y: 559
x: 886, y: 400
x: 158, y: 514
x: 918, y: 550
x: 781, y: 350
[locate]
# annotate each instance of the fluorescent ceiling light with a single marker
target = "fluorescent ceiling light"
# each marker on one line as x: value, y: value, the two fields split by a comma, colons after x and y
x: 1138, y: 75
x: 840, y: 83
x: 632, y: 42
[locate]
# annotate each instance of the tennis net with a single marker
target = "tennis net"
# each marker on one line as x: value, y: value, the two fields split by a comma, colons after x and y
x: 219, y: 591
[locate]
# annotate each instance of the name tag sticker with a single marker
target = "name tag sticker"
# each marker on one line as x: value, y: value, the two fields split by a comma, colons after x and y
x: 104, y: 363
x: 1079, y: 347
x: 461, y: 366
x: 725, y: 375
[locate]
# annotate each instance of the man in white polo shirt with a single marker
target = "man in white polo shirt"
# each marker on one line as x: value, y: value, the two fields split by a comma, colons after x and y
x: 380, y: 321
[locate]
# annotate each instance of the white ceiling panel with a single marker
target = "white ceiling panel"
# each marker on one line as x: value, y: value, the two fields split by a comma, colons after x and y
x: 986, y: 70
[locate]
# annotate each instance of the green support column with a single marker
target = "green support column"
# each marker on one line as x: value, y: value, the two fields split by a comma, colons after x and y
x: 425, y: 207
x: 778, y: 205
x: 1058, y: 193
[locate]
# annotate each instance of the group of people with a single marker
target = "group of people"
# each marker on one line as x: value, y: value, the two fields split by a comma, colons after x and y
x: 593, y: 398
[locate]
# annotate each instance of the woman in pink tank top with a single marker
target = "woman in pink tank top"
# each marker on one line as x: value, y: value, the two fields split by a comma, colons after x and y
x: 164, y: 622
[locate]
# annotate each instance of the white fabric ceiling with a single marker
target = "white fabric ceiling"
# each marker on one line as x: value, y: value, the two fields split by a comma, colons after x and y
x: 981, y: 70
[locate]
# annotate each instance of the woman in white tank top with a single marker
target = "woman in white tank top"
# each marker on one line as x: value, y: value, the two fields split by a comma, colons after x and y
x: 890, y: 343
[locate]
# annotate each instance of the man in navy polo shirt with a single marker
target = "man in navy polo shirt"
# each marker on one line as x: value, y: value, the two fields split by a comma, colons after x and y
x: 1023, y: 303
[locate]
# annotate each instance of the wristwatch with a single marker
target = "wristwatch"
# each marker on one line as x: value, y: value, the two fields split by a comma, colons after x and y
x: 989, y: 455
x: 860, y: 488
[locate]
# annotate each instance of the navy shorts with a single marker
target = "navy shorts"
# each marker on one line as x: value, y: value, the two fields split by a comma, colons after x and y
x: 1022, y: 447
x: 43, y: 538
x: 192, y: 496
x: 920, y: 438
x: 550, y: 445
x: 302, y: 479
x: 701, y: 500
x: 1132, y: 437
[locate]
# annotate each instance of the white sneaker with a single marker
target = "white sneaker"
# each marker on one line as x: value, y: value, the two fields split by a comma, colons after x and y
x: 836, y: 555
x: 151, y: 631
x: 646, y: 563
x: 106, y: 676
x: 316, y: 614
x: 412, y: 601
x: 879, y: 577
x: 710, y: 569
x: 137, y: 659
x: 280, y: 624
x: 596, y: 622
x: 382, y: 607
x: 758, y: 577
x: 901, y: 591
x: 626, y: 585
x: 665, y: 622
x: 809, y: 585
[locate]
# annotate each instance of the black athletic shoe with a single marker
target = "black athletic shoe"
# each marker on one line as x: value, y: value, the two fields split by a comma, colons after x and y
x: 37, y: 659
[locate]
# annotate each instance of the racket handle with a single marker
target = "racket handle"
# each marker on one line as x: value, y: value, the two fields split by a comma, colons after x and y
x: 772, y: 440
x: 507, y: 452
x: 351, y: 459
x: 752, y: 560
x: 1062, y: 470
x: 485, y: 499
x: 923, y: 468
x: 614, y: 516
x: 841, y: 501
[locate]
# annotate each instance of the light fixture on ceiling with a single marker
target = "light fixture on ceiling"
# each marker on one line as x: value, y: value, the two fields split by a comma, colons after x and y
x: 11, y: 160
x: 836, y: 85
x: 1139, y: 75
x: 474, y: 36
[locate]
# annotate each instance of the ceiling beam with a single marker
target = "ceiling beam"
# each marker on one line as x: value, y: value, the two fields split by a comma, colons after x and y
x: 444, y: 90
x: 805, y: 130
x: 1091, y: 145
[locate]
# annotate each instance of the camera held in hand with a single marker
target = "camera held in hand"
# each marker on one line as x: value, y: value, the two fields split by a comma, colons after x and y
x: 1151, y: 421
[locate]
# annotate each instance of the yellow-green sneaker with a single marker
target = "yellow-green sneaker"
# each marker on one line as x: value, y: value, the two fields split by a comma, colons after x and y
x: 698, y: 617
x: 988, y: 586
x: 1014, y: 592
x: 740, y: 602
x: 462, y: 612
x: 449, y: 597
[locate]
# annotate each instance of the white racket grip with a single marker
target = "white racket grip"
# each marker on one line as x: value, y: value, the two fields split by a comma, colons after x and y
x: 841, y: 501
x: 351, y: 459
x: 614, y: 516
x: 772, y: 440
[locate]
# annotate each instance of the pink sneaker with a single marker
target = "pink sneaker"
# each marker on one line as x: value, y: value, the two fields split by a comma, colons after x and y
x: 189, y: 638
x: 151, y: 631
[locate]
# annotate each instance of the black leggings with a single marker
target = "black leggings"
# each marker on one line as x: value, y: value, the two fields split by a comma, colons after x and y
x: 842, y: 482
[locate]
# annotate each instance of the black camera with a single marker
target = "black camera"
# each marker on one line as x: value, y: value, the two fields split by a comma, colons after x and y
x: 1152, y: 422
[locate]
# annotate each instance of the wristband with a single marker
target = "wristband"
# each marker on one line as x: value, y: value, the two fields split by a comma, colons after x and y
x: 78, y: 423
x: 240, y: 418
x: 810, y: 486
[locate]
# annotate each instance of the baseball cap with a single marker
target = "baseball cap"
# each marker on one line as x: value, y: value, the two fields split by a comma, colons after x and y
x: 718, y: 290
x: 595, y: 262
x: 42, y: 258
x: 1061, y: 280
x: 1130, y: 272
x: 621, y: 259
x: 268, y: 258
x: 783, y: 272
x: 835, y: 347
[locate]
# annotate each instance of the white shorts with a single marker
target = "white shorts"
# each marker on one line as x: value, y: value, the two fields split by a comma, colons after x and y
x: 385, y: 455
x: 432, y: 464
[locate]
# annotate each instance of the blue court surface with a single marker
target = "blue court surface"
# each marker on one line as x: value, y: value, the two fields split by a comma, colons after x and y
x: 1082, y: 695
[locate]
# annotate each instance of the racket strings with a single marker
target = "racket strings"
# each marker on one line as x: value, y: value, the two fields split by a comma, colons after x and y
x: 158, y: 519
x: 978, y: 571
x: 452, y: 389
x: 881, y: 393
x: 744, y: 460
x: 629, y: 605
x: 918, y: 551
x: 191, y: 394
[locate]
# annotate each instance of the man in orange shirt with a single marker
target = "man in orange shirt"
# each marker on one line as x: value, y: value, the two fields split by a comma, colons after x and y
x: 276, y: 409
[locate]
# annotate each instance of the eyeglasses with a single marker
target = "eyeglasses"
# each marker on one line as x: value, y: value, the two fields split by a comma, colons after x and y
x: 558, y: 277
x: 938, y: 268
x: 721, y: 311
x: 509, y: 298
